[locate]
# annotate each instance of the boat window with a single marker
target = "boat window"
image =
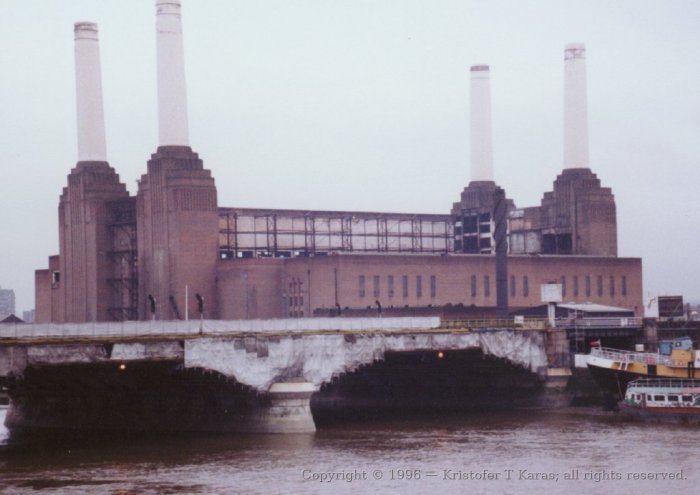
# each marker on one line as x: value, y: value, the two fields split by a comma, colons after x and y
x: 673, y: 398
x: 687, y: 398
x: 648, y: 397
x: 659, y: 398
x: 639, y: 397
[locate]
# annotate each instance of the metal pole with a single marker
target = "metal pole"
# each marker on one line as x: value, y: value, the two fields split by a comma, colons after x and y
x: 500, y: 236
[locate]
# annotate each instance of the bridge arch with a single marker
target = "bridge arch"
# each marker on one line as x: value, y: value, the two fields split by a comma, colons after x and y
x: 259, y: 362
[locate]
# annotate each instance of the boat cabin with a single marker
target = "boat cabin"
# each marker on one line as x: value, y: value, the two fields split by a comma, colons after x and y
x: 663, y: 393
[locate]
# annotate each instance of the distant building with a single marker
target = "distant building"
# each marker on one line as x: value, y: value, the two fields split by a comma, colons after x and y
x: 11, y: 319
x: 671, y: 307
x: 7, y: 302
x: 28, y: 316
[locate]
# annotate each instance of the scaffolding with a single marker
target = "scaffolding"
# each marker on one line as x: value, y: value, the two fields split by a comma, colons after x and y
x: 123, y: 258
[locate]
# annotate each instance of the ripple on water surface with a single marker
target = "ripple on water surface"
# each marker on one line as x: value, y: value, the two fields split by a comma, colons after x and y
x: 451, y: 453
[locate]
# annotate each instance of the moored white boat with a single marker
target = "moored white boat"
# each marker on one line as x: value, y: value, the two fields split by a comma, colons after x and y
x: 658, y: 399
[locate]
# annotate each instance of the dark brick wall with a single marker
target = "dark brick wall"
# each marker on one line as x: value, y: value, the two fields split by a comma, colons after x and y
x: 326, y: 280
x: 84, y: 236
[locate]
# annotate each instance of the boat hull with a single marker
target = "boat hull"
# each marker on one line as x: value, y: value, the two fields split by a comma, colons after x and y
x: 611, y: 380
x: 613, y: 375
x: 686, y: 415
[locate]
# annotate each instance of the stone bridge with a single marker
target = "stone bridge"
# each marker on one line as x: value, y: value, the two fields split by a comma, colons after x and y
x: 279, y: 362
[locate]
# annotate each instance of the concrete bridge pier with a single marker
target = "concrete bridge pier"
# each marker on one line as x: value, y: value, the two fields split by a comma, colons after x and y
x: 289, y: 410
x: 558, y: 370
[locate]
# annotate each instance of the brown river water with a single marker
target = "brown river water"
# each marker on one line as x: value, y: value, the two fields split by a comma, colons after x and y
x: 581, y: 450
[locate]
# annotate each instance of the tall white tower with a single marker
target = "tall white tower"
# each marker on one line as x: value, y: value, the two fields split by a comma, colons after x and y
x: 480, y: 113
x: 88, y: 85
x: 176, y: 205
x: 172, y: 93
x: 575, y: 107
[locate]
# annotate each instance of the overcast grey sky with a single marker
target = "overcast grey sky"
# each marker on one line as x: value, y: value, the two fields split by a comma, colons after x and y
x: 363, y: 105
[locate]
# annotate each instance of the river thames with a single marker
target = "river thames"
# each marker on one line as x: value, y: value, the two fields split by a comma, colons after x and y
x: 573, y: 450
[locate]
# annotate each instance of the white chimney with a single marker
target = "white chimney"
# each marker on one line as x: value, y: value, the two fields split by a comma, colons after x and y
x: 575, y: 107
x: 481, y: 147
x: 88, y: 87
x: 172, y: 95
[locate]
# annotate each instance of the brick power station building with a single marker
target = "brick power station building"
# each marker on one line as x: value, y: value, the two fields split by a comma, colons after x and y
x: 122, y: 256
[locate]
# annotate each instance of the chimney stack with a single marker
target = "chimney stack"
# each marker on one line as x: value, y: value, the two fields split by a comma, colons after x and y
x: 172, y: 95
x: 88, y: 86
x: 481, y: 147
x: 575, y: 107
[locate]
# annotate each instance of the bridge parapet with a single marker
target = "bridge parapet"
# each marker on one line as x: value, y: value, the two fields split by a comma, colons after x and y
x: 179, y: 329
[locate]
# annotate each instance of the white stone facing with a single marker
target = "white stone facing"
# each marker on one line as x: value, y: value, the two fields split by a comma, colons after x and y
x: 92, y: 353
x: 318, y: 358
x: 293, y: 388
x: 65, y: 354
x: 135, y: 351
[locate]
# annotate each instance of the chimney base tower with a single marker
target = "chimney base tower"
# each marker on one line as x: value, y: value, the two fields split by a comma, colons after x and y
x: 178, y: 229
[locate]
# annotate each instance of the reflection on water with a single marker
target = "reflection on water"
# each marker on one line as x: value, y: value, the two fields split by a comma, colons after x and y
x: 565, y: 451
x: 3, y: 430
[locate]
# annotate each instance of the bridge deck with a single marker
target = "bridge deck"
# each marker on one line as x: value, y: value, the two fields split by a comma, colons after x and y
x: 132, y: 331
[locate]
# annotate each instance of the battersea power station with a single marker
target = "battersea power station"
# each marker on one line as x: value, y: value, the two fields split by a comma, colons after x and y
x: 172, y: 252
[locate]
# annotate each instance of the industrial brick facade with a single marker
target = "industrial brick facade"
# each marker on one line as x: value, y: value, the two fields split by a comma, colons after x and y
x: 268, y: 288
x: 172, y: 241
x: 181, y: 251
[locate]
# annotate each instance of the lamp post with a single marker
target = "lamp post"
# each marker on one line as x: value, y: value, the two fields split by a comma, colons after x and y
x: 152, y: 303
x: 200, y: 308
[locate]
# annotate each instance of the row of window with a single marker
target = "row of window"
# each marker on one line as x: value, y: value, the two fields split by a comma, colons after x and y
x: 296, y: 298
x: 662, y: 398
x: 585, y: 288
x: 390, y: 289
x: 599, y: 286
x: 575, y: 289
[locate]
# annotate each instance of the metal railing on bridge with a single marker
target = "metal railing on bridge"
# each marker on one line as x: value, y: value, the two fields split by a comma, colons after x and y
x: 497, y: 324
x: 669, y: 383
x: 599, y: 322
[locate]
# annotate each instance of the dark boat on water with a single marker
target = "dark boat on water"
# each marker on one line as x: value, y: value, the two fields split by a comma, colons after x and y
x: 613, y: 369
